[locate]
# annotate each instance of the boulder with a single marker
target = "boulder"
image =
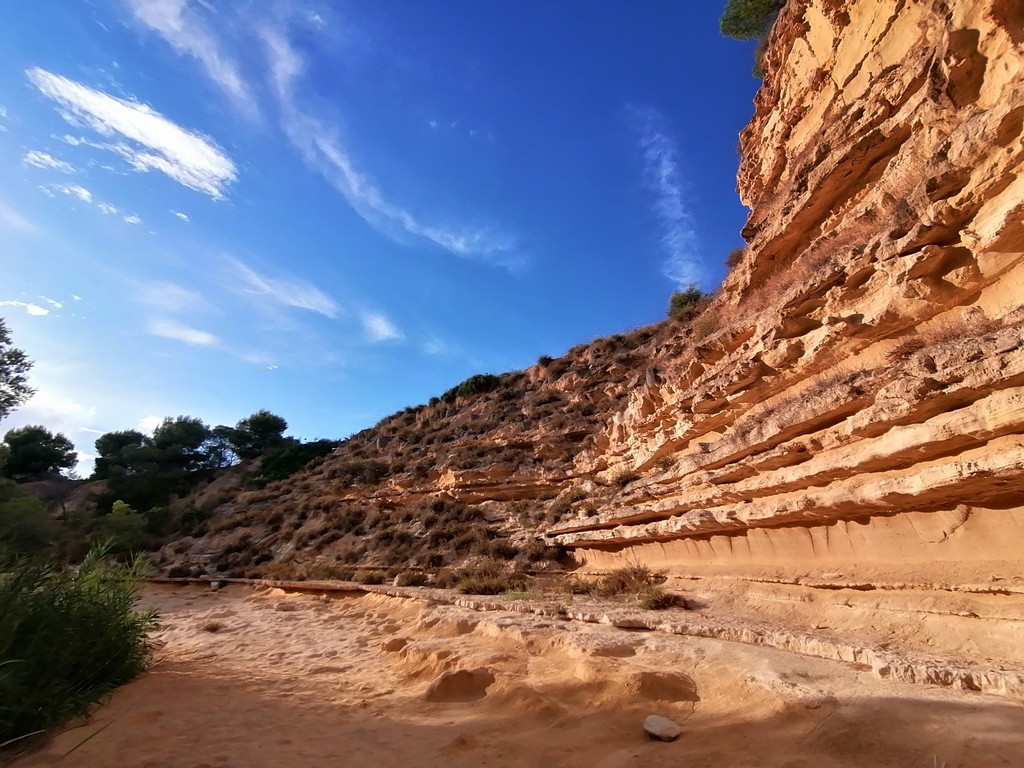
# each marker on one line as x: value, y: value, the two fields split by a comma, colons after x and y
x: 661, y: 728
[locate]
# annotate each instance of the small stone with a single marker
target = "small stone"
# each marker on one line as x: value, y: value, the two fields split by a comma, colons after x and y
x: 662, y: 728
x: 215, y: 585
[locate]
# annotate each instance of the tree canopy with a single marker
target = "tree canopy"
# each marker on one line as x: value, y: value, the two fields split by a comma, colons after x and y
x: 120, y: 453
x: 146, y: 472
x: 14, y: 368
x: 255, y: 434
x: 33, y: 451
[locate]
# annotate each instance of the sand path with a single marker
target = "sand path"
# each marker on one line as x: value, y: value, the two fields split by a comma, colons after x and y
x: 302, y: 680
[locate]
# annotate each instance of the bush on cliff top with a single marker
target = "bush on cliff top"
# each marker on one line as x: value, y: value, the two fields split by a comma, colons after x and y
x: 749, y: 19
x: 474, y: 385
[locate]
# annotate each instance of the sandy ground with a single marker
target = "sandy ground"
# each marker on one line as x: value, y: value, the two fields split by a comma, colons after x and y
x: 248, y: 678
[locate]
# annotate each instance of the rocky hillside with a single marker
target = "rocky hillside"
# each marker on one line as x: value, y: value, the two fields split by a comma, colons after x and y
x: 849, y: 406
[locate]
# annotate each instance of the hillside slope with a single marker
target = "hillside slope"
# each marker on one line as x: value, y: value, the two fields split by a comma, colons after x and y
x: 850, y: 405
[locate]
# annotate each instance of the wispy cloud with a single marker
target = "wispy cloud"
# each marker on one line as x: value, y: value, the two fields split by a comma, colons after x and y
x: 322, y: 149
x: 180, y: 215
x: 52, y: 302
x: 31, y: 309
x: 186, y: 334
x: 379, y: 328
x: 11, y: 220
x: 37, y: 159
x: 663, y: 177
x: 72, y: 190
x: 285, y: 292
x: 167, y: 296
x: 83, y: 194
x: 155, y: 142
x: 189, y: 34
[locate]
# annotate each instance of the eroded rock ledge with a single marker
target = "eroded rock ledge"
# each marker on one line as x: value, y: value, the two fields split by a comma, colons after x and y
x: 860, y: 392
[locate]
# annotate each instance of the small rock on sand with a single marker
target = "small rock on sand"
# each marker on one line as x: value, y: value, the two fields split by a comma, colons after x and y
x: 662, y: 728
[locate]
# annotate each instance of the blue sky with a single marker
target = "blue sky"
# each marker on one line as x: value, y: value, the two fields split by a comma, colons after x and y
x: 337, y: 209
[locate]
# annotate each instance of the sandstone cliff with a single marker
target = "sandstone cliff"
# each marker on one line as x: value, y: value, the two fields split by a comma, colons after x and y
x: 836, y: 438
x: 861, y: 397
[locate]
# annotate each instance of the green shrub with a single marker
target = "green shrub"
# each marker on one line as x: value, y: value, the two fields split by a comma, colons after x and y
x: 367, y: 472
x: 656, y: 599
x: 474, y: 385
x: 24, y: 525
x: 370, y: 577
x: 502, y: 549
x: 66, y: 639
x: 445, y: 579
x: 574, y: 585
x: 483, y: 584
x: 289, y: 460
x: 124, y: 529
x: 633, y: 579
x: 749, y: 19
x: 534, y: 551
x: 683, y: 303
x: 326, y: 572
x: 411, y: 579
x: 625, y: 477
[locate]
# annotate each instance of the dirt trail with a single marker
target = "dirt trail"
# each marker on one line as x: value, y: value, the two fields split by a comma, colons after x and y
x: 302, y: 680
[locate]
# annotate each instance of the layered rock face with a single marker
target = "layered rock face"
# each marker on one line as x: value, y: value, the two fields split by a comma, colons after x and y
x: 854, y: 400
x: 827, y: 457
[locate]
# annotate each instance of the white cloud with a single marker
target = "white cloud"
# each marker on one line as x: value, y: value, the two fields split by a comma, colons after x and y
x: 107, y: 208
x: 322, y: 149
x: 149, y: 423
x: 156, y: 143
x: 52, y: 302
x: 379, y: 327
x: 38, y: 159
x: 31, y: 309
x: 297, y: 294
x: 72, y: 190
x: 180, y: 215
x: 75, y: 297
x: 171, y: 329
x: 132, y: 219
x: 189, y: 34
x: 662, y: 176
